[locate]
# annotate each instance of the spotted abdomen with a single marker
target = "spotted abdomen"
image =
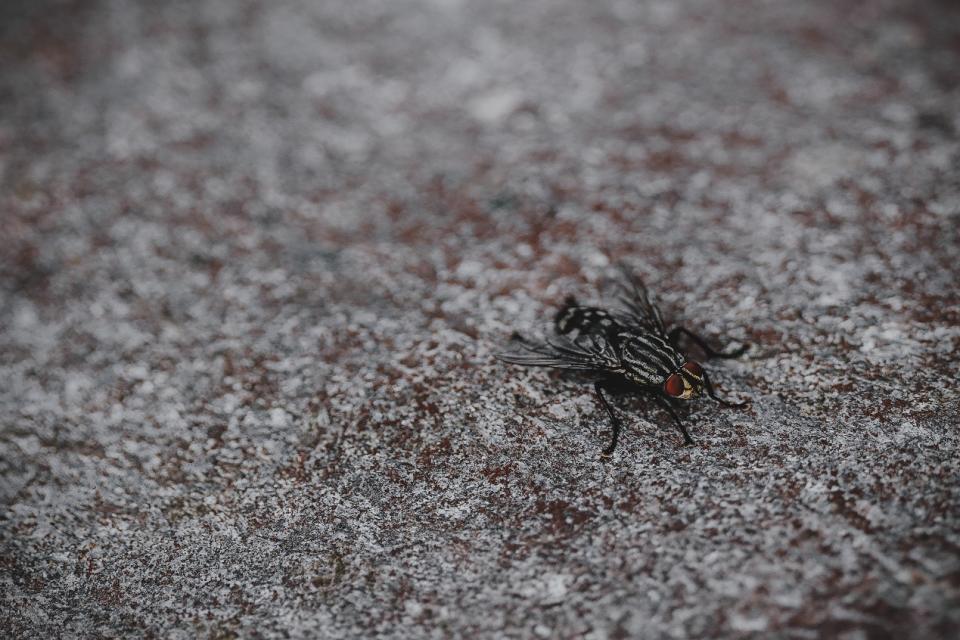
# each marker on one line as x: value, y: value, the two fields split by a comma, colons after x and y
x: 583, y: 320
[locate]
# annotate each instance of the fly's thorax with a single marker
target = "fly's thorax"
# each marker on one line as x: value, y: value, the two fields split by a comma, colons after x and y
x: 647, y: 358
x: 638, y: 377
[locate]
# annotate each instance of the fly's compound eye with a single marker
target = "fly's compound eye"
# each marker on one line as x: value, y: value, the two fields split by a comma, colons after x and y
x: 674, y: 386
x: 693, y: 369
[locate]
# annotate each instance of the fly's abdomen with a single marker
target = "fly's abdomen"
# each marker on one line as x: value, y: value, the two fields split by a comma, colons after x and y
x: 582, y: 320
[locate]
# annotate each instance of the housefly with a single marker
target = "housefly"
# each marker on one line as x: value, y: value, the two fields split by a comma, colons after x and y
x: 624, y: 349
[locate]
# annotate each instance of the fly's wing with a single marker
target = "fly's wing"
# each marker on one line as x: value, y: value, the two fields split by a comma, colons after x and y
x: 638, y: 309
x: 591, y: 353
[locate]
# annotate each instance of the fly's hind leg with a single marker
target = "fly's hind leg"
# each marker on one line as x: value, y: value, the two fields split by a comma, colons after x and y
x: 598, y: 388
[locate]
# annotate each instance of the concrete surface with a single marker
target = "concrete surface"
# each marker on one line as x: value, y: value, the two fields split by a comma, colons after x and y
x: 256, y: 258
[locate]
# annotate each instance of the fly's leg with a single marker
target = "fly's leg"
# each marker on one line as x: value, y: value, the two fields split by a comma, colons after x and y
x: 712, y: 394
x: 700, y: 342
x: 673, y: 414
x: 614, y: 420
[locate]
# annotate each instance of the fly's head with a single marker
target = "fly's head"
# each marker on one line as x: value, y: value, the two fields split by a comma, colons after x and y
x: 686, y: 382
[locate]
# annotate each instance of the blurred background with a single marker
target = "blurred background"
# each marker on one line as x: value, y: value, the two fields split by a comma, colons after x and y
x: 255, y: 258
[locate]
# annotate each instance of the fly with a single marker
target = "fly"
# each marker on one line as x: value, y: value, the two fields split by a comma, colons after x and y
x: 625, y: 350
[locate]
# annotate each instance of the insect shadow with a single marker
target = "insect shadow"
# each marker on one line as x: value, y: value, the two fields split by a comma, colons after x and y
x: 624, y: 350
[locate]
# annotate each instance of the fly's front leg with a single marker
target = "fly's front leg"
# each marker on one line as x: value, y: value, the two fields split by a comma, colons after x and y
x: 700, y: 342
x: 712, y: 394
x: 614, y: 420
x: 673, y: 414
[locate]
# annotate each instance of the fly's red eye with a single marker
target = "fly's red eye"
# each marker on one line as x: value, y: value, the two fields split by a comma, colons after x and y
x: 674, y: 386
x: 693, y: 369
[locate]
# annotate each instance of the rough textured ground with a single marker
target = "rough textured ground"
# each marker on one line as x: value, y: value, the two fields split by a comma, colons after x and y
x: 256, y: 258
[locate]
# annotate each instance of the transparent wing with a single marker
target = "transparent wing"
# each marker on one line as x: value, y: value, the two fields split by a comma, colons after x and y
x: 591, y: 353
x: 638, y: 308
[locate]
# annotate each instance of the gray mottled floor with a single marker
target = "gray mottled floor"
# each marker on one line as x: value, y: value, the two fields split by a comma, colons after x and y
x: 256, y: 258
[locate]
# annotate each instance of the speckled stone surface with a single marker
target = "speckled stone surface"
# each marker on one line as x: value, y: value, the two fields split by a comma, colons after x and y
x: 257, y: 256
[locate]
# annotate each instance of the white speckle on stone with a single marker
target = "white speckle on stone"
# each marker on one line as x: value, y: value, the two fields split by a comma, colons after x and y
x: 819, y: 166
x: 470, y: 269
x: 494, y: 105
x: 560, y: 411
x: 278, y: 418
x: 748, y: 624
x: 547, y: 589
